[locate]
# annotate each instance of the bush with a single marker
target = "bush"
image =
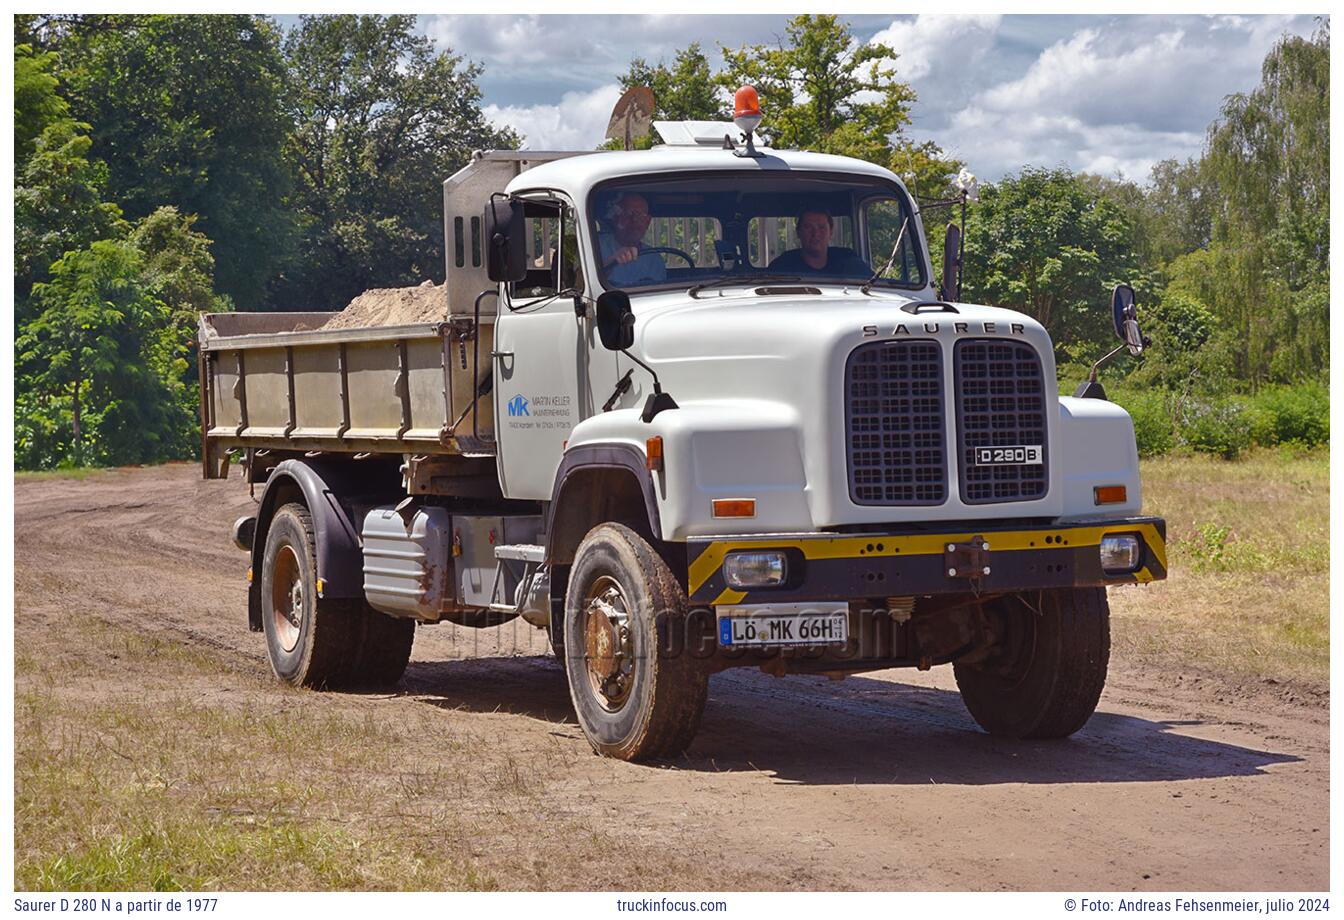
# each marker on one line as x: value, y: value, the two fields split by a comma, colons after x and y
x: 1215, y: 427
x: 1151, y: 413
x: 1298, y: 414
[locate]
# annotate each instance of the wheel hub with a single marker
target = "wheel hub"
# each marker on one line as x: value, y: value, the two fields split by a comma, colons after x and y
x: 287, y: 598
x: 607, y: 647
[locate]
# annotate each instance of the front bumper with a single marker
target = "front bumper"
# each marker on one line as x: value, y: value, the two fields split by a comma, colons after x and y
x: 898, y: 564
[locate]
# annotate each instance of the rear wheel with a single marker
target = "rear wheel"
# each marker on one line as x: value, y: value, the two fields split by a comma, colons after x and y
x: 322, y: 642
x: 637, y: 689
x: 1046, y: 676
x: 384, y: 649
x: 311, y: 642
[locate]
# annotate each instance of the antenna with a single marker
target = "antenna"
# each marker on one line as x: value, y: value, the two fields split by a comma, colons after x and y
x: 632, y: 116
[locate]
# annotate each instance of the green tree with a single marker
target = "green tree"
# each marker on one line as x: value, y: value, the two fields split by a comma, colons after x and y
x: 187, y: 111
x: 1177, y: 211
x: 380, y: 120
x: 37, y: 101
x: 823, y: 90
x: 1049, y: 244
x: 99, y: 374
x: 58, y: 206
x: 1265, y: 272
x: 178, y: 267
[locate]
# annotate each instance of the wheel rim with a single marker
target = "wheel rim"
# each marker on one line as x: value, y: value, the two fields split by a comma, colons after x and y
x: 287, y: 598
x: 609, y: 660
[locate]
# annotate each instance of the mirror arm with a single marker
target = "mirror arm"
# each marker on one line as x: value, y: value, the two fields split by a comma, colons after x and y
x: 658, y: 401
x: 1092, y: 377
x: 657, y: 387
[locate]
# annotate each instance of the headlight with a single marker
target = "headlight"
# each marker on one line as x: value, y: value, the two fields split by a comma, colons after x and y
x: 755, y: 570
x: 1120, y: 553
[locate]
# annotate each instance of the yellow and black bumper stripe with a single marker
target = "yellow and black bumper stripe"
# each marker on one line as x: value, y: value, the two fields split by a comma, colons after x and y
x: 848, y: 567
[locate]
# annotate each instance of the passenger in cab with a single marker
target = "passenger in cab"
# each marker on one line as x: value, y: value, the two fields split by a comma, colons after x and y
x: 815, y: 254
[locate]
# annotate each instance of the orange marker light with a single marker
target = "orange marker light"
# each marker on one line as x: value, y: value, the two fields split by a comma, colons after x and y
x: 653, y: 453
x: 1110, y: 495
x: 734, y: 507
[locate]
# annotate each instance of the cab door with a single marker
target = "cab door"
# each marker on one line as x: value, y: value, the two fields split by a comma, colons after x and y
x: 550, y: 370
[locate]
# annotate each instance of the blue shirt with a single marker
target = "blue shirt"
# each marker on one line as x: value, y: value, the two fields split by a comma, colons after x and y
x: 647, y: 269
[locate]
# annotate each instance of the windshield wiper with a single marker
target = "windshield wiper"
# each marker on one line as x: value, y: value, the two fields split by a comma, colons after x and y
x: 740, y: 279
x: 868, y: 285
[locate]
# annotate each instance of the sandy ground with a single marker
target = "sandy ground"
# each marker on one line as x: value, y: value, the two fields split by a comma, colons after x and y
x: 1181, y: 781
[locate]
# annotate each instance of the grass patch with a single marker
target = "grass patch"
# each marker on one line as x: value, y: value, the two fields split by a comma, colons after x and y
x: 1249, y: 553
x: 74, y: 472
x: 150, y: 764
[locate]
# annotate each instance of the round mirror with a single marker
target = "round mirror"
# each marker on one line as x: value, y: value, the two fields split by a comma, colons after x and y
x: 1122, y: 308
x: 1125, y: 315
x: 1133, y: 338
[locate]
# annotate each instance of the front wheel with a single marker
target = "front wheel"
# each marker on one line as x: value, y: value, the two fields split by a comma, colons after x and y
x: 1046, y: 674
x: 638, y: 690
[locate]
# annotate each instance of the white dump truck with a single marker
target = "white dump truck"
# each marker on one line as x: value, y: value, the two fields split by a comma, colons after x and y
x: 686, y: 409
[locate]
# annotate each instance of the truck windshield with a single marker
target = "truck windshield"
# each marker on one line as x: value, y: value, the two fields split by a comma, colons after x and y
x: 680, y: 231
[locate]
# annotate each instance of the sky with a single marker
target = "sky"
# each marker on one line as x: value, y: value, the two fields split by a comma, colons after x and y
x: 1108, y: 94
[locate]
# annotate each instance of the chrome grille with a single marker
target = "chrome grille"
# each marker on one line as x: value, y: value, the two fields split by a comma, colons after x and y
x: 1000, y: 403
x: 894, y: 424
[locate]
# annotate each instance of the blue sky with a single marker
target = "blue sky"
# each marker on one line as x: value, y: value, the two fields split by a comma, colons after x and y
x: 1107, y: 93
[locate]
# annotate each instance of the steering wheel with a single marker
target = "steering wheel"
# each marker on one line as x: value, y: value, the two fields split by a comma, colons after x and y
x: 670, y: 251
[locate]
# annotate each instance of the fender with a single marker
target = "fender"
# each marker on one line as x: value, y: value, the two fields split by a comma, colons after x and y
x: 601, y: 456
x: 340, y: 559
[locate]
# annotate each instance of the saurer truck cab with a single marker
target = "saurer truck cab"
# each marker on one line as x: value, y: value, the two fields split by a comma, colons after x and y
x: 710, y: 455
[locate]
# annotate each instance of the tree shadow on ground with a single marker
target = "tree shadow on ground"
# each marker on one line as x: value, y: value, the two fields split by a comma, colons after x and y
x: 814, y: 731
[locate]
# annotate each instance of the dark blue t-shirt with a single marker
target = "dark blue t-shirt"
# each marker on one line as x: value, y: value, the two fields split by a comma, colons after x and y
x: 840, y: 260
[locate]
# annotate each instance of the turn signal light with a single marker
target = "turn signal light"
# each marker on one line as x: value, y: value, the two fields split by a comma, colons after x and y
x: 653, y: 453
x: 1110, y: 495
x: 734, y: 507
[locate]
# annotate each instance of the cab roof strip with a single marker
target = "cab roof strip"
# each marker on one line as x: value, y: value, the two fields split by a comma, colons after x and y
x: 577, y: 175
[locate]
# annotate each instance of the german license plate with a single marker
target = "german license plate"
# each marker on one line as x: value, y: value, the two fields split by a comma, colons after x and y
x: 784, y: 625
x: 1022, y: 455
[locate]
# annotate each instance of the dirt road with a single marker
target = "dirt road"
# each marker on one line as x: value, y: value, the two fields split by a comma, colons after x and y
x: 1181, y: 781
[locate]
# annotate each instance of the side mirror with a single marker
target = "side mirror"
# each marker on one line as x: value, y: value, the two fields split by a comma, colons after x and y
x: 1124, y: 314
x: 615, y: 322
x: 951, y: 263
x: 505, y: 245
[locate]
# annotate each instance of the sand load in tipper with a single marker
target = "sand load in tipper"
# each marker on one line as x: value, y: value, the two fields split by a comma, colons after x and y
x: 425, y: 303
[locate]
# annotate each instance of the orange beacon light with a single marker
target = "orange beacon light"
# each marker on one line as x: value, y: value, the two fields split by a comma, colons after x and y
x: 746, y: 109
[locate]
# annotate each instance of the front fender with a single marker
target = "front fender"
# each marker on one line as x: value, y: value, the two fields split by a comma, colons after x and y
x: 1097, y: 448
x: 717, y: 449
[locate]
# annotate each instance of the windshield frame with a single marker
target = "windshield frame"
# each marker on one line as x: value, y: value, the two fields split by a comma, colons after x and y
x: 881, y: 186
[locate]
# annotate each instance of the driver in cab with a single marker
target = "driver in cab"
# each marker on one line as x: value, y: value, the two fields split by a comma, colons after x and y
x: 622, y: 249
x: 815, y: 254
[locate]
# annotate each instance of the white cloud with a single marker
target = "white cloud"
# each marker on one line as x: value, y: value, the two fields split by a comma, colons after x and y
x: 1099, y: 93
x: 578, y: 122
x: 1114, y: 96
x: 926, y: 42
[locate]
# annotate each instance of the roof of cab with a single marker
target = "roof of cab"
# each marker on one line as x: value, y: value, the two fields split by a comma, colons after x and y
x: 576, y: 175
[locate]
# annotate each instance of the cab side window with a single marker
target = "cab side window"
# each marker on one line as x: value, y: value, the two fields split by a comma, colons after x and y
x: 552, y: 252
